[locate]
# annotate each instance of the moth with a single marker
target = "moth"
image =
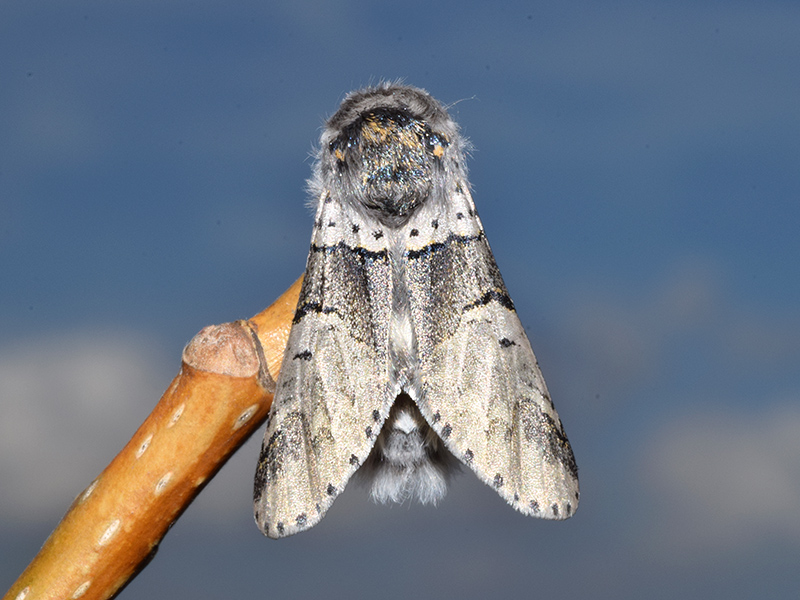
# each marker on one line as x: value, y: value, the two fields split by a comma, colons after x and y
x: 406, y: 358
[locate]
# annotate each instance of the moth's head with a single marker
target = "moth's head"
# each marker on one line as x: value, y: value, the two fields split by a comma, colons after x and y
x: 387, y: 147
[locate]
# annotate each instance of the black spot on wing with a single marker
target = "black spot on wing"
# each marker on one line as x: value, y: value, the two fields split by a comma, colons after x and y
x: 425, y: 251
x: 491, y: 296
x: 304, y: 355
x: 458, y: 240
x: 361, y: 253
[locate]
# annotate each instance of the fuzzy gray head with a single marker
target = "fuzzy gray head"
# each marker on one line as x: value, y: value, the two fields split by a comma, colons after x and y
x: 389, y: 149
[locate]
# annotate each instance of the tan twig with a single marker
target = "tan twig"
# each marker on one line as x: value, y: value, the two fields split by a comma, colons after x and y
x: 220, y: 397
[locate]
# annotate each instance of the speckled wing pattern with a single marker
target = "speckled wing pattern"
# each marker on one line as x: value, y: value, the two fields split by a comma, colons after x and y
x: 332, y: 394
x: 406, y: 354
x: 481, y: 387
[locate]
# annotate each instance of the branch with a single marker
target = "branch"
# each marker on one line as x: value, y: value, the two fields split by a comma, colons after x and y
x: 221, y: 395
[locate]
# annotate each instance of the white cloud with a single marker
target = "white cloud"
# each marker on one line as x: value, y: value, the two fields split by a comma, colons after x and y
x: 619, y: 339
x: 724, y: 480
x: 68, y: 404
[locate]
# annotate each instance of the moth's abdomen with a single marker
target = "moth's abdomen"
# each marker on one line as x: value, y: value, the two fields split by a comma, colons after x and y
x: 409, y: 461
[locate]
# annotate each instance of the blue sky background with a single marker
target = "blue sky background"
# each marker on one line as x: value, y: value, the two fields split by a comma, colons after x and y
x: 637, y: 170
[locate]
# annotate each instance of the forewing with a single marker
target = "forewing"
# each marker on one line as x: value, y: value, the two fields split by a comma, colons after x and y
x: 332, y: 391
x: 481, y: 388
